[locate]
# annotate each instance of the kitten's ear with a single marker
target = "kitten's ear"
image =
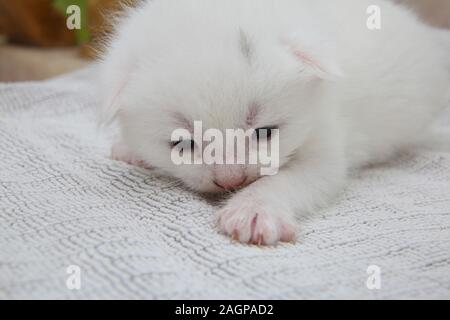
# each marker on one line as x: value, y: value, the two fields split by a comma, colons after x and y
x: 113, y: 82
x: 317, y: 59
x: 322, y: 67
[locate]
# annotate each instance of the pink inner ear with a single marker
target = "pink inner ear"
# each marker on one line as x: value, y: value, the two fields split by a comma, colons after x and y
x: 110, y: 111
x: 308, y: 60
x: 118, y: 93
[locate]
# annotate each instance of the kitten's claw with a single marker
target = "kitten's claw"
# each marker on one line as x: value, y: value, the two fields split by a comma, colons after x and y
x: 254, y: 224
x: 120, y: 152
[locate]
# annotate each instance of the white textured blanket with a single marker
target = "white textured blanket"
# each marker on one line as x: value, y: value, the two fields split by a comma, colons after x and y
x: 130, y: 234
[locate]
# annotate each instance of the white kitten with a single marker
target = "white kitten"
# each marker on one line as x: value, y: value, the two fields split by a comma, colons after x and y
x: 341, y: 95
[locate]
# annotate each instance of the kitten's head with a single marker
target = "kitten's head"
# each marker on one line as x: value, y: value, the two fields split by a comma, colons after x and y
x: 227, y: 79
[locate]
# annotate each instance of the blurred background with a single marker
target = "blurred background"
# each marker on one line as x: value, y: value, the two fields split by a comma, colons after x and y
x: 36, y: 44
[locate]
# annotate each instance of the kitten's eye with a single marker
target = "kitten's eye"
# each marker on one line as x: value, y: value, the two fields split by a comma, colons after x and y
x: 265, y: 132
x: 183, y: 144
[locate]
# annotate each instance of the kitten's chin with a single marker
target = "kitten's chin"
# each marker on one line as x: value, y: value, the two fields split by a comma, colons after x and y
x: 209, y: 190
x: 213, y: 189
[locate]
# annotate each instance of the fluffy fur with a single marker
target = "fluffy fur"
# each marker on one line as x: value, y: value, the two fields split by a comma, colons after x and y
x: 343, y: 96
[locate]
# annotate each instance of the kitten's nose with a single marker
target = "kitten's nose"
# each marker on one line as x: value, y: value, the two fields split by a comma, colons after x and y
x: 230, y: 184
x: 229, y: 177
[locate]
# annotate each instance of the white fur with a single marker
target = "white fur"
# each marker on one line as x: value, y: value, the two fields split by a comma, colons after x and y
x: 343, y: 95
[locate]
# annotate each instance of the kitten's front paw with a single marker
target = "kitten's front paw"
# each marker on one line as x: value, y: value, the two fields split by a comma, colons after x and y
x: 256, y: 223
x: 120, y: 152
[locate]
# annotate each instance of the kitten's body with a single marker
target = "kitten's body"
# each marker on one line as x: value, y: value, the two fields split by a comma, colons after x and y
x: 341, y: 94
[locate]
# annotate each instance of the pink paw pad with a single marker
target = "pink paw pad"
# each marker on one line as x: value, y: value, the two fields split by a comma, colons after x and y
x: 249, y: 225
x: 120, y: 152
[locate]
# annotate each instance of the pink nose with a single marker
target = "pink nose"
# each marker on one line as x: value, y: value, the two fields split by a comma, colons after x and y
x: 229, y: 177
x: 230, y: 184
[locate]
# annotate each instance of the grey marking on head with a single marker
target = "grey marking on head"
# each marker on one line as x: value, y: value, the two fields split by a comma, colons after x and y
x: 183, y: 122
x: 245, y: 45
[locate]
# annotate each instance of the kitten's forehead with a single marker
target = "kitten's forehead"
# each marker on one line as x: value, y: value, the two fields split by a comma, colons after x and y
x: 228, y: 118
x: 200, y: 86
